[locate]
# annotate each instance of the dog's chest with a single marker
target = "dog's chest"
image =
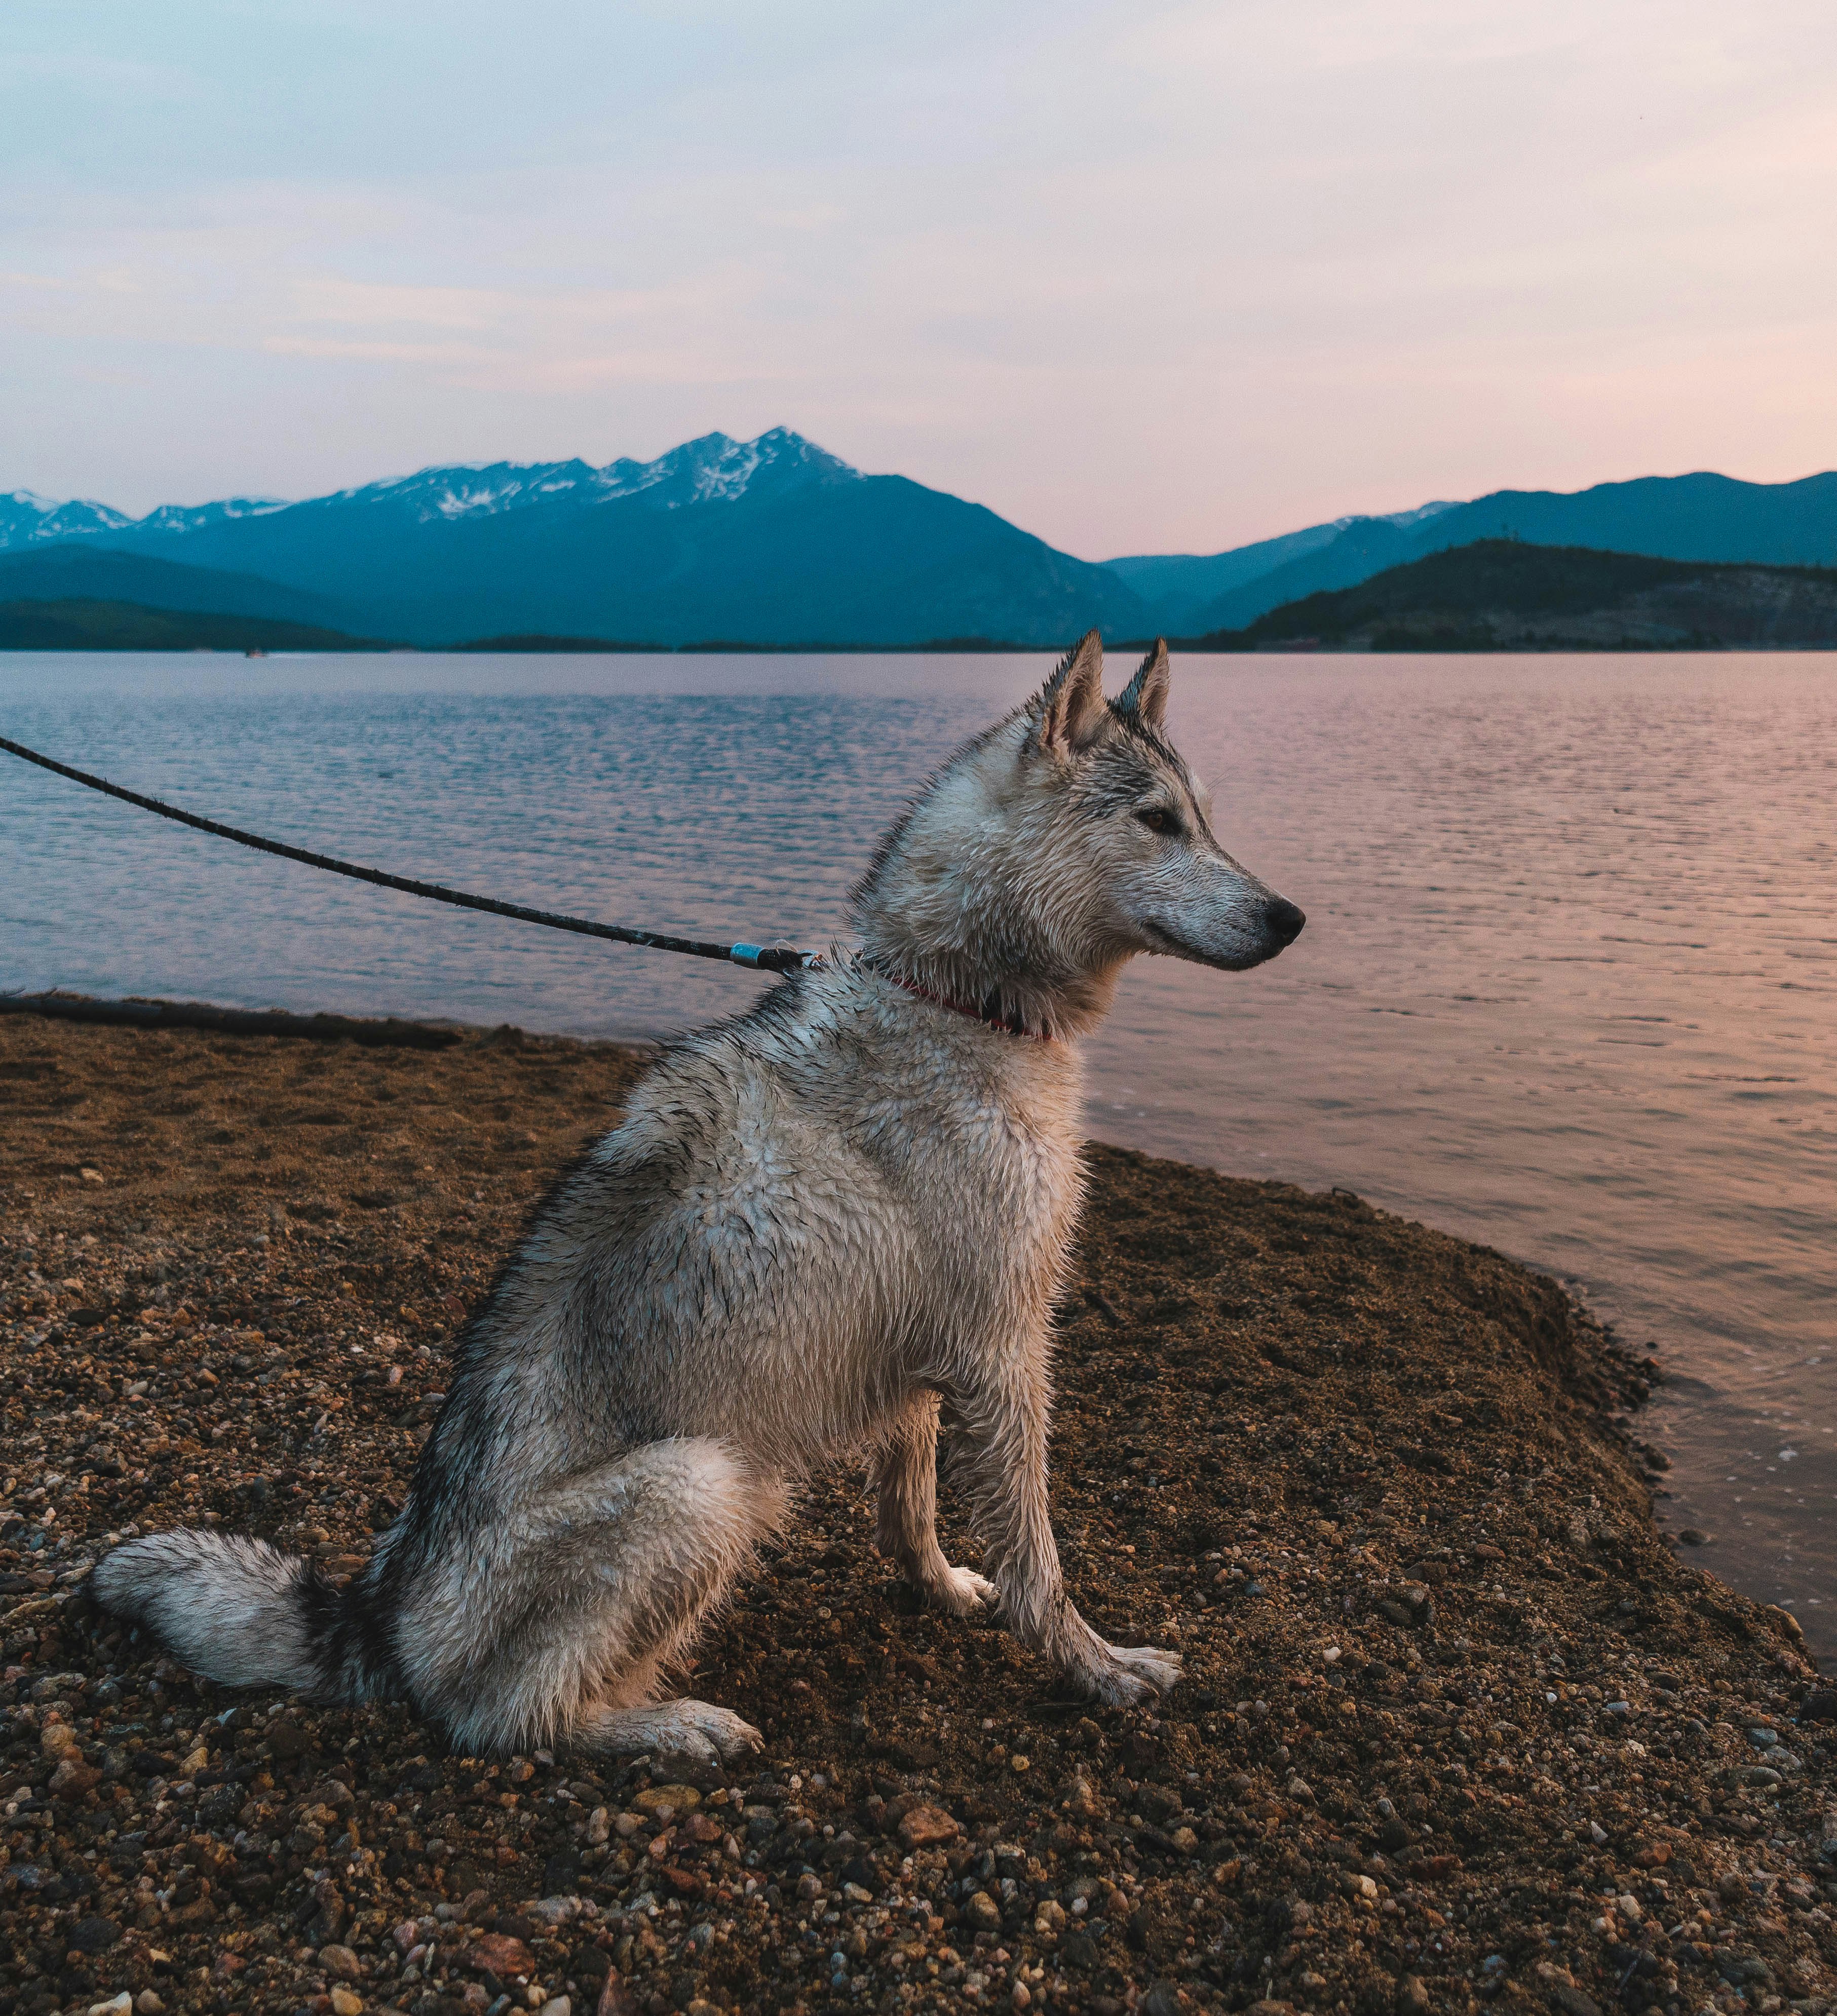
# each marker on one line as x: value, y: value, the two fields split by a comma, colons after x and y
x: 993, y: 1180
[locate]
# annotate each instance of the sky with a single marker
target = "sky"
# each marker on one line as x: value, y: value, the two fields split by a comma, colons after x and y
x: 1142, y: 278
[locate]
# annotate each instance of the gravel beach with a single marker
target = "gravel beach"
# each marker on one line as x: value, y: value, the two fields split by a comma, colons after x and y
x: 1457, y: 1726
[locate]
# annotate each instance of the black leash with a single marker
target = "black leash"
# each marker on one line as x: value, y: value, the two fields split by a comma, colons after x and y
x: 769, y: 959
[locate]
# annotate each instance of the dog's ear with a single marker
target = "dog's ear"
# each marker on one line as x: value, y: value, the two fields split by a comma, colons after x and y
x: 1069, y: 711
x: 1144, y: 699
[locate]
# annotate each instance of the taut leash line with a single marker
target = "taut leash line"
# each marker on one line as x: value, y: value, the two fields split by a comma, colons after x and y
x: 769, y: 959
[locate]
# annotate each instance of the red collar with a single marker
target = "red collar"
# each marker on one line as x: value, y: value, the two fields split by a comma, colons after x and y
x: 991, y: 1014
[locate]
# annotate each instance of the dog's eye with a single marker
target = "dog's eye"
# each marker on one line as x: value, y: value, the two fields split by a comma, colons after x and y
x: 1158, y: 818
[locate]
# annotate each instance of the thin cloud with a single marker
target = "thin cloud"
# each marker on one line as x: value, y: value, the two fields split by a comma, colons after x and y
x: 1140, y: 277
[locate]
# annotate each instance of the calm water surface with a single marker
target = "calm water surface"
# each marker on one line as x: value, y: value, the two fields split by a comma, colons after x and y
x: 1568, y: 984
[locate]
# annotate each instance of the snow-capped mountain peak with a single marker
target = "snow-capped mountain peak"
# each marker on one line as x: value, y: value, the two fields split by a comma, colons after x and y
x: 1402, y: 519
x: 714, y: 469
x: 195, y: 517
x: 27, y: 519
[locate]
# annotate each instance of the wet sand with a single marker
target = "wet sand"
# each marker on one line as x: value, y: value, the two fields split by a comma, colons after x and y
x: 1457, y: 1724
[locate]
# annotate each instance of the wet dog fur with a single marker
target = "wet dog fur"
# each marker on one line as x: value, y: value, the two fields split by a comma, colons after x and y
x: 836, y: 1221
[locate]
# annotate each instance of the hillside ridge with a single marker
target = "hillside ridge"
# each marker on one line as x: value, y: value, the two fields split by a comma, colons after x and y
x: 1507, y: 595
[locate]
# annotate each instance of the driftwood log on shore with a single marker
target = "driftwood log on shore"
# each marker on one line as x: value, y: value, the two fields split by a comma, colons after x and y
x: 1458, y: 1727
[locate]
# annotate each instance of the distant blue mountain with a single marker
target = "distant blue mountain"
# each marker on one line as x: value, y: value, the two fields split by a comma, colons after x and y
x: 1178, y: 587
x: 1699, y: 517
x: 766, y: 541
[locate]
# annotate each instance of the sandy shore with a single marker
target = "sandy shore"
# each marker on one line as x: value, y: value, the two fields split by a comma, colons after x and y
x: 1458, y: 1726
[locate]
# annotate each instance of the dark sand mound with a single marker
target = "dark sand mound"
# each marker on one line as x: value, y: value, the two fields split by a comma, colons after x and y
x: 1457, y: 1726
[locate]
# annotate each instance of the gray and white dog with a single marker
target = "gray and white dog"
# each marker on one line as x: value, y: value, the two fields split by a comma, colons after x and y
x: 820, y: 1225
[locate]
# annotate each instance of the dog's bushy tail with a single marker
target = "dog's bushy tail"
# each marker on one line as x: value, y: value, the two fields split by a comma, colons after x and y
x: 235, y: 1610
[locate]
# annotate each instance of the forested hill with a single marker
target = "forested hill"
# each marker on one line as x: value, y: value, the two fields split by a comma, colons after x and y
x: 1502, y: 595
x: 90, y: 625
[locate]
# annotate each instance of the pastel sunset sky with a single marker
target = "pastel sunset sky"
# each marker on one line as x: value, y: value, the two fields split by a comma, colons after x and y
x: 1142, y: 277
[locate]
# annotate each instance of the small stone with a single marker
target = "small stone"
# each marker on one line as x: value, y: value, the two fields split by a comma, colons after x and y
x: 616, y: 1999
x: 497, y: 1954
x: 73, y: 1777
x: 678, y: 1799
x: 341, y: 1961
x: 1412, y: 1997
x: 926, y: 1826
x: 1021, y: 1998
x: 332, y: 1794
x: 120, y: 2006
x: 558, y: 2005
x: 1081, y: 1803
x: 983, y: 1912
x: 344, y: 2003
x: 1597, y: 1833
x: 94, y: 1935
x: 148, y: 2004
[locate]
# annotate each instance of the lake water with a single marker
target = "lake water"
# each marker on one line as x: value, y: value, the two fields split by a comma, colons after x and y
x: 1568, y: 984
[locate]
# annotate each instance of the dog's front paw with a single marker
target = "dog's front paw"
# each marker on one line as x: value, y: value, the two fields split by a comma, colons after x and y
x: 961, y: 1591
x: 704, y: 1733
x: 1124, y: 1676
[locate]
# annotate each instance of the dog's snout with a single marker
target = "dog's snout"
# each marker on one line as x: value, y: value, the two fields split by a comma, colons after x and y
x: 1285, y: 919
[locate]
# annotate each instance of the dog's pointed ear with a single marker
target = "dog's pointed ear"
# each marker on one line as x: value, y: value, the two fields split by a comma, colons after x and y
x: 1144, y: 699
x: 1069, y: 711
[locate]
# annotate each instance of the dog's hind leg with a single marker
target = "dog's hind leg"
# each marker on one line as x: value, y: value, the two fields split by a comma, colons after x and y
x: 605, y: 1578
x: 906, y: 1528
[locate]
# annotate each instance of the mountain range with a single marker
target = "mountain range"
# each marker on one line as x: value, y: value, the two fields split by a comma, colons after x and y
x: 1698, y: 517
x: 775, y: 542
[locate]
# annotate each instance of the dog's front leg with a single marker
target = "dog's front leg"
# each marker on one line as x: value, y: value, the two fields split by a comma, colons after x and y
x: 906, y: 1529
x: 1003, y: 1459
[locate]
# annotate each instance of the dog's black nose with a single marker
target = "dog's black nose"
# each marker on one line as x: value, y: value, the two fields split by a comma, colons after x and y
x: 1285, y: 919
